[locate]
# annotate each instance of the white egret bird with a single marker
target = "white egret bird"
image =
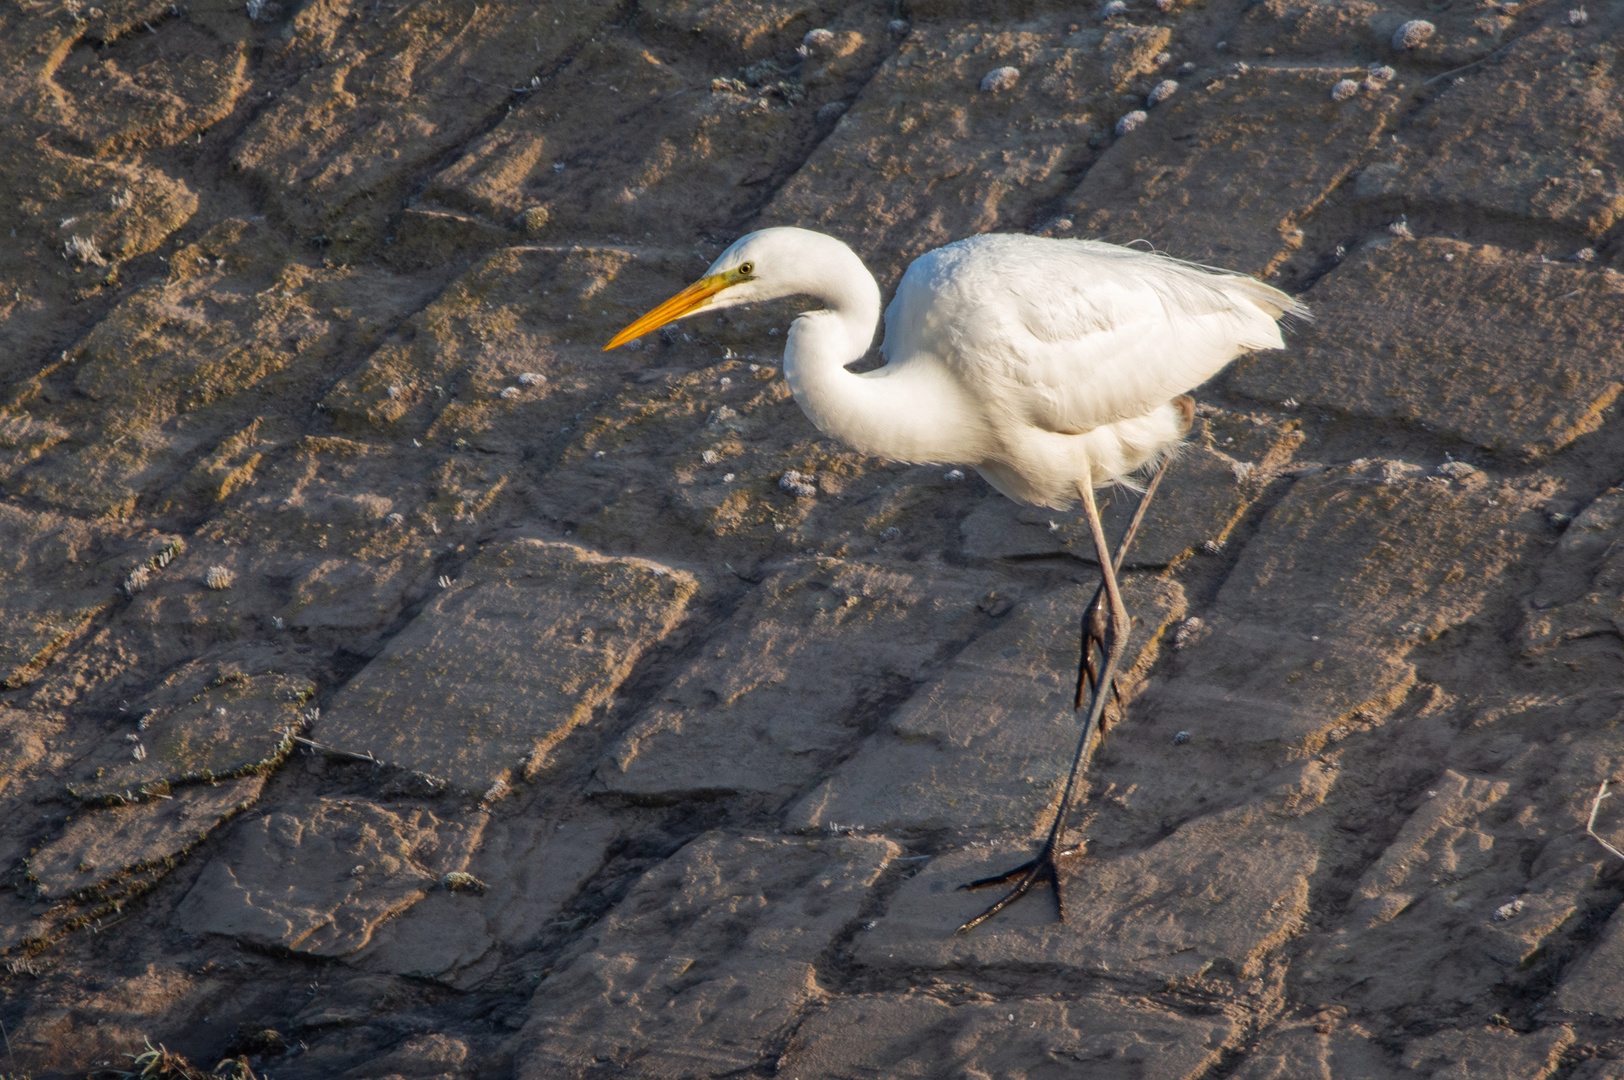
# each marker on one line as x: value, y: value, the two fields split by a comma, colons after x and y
x: 1050, y: 366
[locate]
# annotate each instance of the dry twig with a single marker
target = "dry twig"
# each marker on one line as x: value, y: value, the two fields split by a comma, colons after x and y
x: 1590, y: 826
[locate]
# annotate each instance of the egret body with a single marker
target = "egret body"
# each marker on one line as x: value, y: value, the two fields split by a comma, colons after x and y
x: 1052, y: 367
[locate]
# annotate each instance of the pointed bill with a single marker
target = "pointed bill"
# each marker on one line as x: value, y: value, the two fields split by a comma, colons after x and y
x: 685, y: 302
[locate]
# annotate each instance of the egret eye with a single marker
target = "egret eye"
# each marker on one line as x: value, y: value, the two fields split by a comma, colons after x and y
x: 747, y: 269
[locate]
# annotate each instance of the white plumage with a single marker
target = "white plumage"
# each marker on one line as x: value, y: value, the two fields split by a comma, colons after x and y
x: 1039, y: 362
x: 1051, y: 366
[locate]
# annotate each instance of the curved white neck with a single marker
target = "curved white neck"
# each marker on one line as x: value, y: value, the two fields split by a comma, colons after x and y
x: 901, y: 412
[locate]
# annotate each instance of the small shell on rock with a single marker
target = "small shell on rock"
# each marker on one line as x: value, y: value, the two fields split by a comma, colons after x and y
x: 1456, y: 470
x: 1381, y: 73
x: 530, y: 378
x: 1161, y: 92
x: 997, y: 79
x: 819, y: 38
x: 511, y: 391
x: 897, y: 26
x: 139, y: 579
x: 1413, y: 34
x: 1585, y: 255
x: 953, y: 475
x: 1131, y: 121
x: 1578, y: 16
x: 834, y: 110
x: 801, y: 485
x: 218, y: 577
x: 1113, y: 9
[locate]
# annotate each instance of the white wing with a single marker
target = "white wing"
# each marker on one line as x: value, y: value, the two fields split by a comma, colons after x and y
x: 1069, y: 335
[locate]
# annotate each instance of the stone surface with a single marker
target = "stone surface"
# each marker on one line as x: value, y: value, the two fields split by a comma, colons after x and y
x: 1489, y: 1053
x: 526, y: 872
x: 1335, y: 31
x: 988, y: 743
x: 1535, y: 133
x: 1297, y: 651
x: 319, y: 878
x: 100, y: 845
x: 680, y: 123
x: 236, y: 725
x: 1323, y: 1051
x: 507, y: 662
x: 58, y: 573
x: 1496, y: 348
x: 1592, y: 988
x: 395, y: 94
x: 1186, y: 179
x: 1582, y: 582
x: 908, y: 1035
x: 741, y: 923
x: 759, y: 711
x: 1200, y: 899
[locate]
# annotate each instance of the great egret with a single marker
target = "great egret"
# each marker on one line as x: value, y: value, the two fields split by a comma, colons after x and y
x: 1051, y: 366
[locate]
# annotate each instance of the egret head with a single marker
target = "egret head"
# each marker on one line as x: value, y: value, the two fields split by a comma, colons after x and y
x: 762, y: 265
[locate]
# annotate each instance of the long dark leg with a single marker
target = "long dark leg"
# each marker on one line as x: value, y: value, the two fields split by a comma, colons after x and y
x: 1105, y: 630
x: 1113, y: 643
x: 1094, y: 614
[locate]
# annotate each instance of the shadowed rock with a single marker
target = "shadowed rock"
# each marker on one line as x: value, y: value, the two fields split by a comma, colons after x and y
x: 505, y: 663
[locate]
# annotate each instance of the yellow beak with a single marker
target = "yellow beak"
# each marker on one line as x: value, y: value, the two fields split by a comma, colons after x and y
x: 685, y: 302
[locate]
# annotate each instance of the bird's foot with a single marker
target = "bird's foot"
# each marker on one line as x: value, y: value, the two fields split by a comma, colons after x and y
x: 1044, y: 868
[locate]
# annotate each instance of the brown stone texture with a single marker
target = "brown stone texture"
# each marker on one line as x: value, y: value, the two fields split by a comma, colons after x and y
x: 742, y: 921
x: 987, y: 158
x: 916, y: 1035
x: 103, y: 844
x: 1536, y: 133
x: 395, y: 684
x: 1223, y: 174
x: 319, y: 878
x: 1489, y: 346
x: 507, y: 663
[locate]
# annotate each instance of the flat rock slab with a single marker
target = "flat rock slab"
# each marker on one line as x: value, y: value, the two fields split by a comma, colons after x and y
x: 396, y: 97
x: 100, y: 845
x: 1536, y: 133
x: 1581, y: 591
x: 1592, y: 986
x: 988, y: 744
x: 1187, y: 178
x: 57, y: 573
x: 1489, y: 1054
x: 692, y: 152
x: 709, y: 960
x: 319, y: 877
x: 1219, y: 891
x: 1496, y: 348
x: 925, y: 156
x: 505, y: 663
x: 1109, y: 1037
x: 1352, y: 569
x: 758, y: 711
x: 516, y: 311
x: 1338, y: 29
x: 1320, y: 1052
x: 242, y: 723
x: 526, y: 871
